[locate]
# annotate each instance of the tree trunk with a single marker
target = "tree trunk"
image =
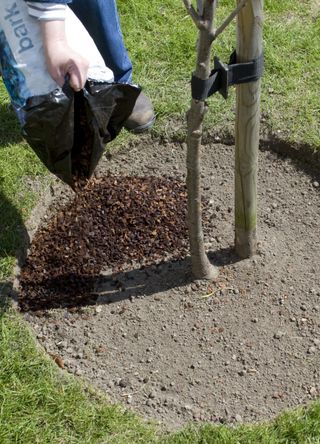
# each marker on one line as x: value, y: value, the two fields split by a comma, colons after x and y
x: 249, y: 47
x: 201, y: 267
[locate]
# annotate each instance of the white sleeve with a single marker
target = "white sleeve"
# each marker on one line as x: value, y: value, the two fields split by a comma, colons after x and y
x: 47, y: 11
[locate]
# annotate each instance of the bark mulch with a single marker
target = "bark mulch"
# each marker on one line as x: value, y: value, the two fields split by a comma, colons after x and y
x: 112, y: 222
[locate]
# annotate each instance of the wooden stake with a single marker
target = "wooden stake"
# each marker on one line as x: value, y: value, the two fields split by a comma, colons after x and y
x: 249, y: 47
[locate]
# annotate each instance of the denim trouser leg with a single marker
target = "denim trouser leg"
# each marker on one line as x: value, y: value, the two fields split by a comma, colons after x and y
x: 100, y: 17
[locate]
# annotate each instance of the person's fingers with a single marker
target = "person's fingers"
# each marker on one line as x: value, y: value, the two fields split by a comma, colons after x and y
x: 75, y: 81
x: 78, y: 74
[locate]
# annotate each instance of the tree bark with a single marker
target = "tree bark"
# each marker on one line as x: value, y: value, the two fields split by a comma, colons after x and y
x: 249, y: 47
x: 201, y: 266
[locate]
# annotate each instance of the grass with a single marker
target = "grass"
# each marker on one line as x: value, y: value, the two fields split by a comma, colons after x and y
x: 39, y: 404
x: 164, y: 35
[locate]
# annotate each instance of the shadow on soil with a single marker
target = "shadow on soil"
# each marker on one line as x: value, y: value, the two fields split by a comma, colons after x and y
x: 110, y: 287
x: 304, y: 157
x: 149, y: 280
x: 113, y: 287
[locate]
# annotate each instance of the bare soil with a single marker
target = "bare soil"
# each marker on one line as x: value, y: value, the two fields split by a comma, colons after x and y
x: 241, y: 348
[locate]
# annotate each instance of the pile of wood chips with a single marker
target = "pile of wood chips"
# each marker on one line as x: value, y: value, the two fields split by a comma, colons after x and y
x: 111, y: 223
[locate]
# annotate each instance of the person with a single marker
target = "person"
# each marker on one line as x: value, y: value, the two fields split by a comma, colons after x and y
x: 100, y: 18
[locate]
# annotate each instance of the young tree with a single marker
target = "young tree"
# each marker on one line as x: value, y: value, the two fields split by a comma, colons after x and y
x: 203, y: 18
x: 249, y: 48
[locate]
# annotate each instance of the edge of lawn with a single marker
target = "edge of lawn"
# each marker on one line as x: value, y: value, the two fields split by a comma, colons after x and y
x: 38, y: 402
x: 42, y: 404
x: 37, y: 398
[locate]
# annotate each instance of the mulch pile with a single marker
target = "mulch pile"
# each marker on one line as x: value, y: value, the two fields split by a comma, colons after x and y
x: 111, y: 223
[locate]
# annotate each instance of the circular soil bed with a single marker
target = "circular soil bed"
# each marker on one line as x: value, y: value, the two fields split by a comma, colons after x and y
x: 108, y: 290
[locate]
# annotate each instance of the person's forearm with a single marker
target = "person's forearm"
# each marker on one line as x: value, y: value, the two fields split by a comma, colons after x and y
x: 53, y: 34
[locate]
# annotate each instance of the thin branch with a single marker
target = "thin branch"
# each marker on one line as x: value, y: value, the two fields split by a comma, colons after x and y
x: 192, y: 12
x: 200, y: 7
x: 228, y: 20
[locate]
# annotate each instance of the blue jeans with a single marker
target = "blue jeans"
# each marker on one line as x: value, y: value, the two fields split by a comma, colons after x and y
x: 101, y: 19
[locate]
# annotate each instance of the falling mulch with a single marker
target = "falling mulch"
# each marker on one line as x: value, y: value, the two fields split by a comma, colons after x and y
x: 114, y: 221
x: 82, y: 145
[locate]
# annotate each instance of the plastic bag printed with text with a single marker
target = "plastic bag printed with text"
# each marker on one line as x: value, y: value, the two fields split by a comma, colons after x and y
x: 66, y: 130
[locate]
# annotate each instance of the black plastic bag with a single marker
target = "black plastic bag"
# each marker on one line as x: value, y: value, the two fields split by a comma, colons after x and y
x: 68, y: 130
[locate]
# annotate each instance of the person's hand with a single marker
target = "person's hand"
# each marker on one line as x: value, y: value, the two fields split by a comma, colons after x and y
x: 60, y: 58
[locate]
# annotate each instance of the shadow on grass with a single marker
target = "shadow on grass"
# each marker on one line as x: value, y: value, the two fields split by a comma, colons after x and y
x: 10, y: 132
x: 4, y: 288
x: 13, y: 233
x: 14, y: 241
x: 75, y: 290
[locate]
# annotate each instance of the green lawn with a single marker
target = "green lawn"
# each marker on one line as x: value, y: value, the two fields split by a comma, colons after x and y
x: 161, y: 40
x: 39, y: 404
